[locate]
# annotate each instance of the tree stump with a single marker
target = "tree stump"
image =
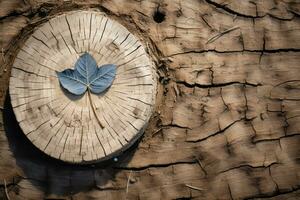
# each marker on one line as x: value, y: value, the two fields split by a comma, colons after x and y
x: 69, y: 127
x: 227, y: 110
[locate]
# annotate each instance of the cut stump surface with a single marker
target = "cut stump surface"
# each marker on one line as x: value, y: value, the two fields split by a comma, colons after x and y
x: 66, y: 126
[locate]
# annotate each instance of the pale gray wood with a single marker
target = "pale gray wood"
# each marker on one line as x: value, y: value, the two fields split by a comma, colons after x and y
x: 66, y: 127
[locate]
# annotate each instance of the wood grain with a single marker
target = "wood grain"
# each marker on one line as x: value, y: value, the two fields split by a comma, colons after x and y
x: 227, y: 111
x: 68, y: 127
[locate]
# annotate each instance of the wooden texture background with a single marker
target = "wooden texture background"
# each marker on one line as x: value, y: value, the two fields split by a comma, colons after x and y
x: 226, y: 124
x: 89, y: 127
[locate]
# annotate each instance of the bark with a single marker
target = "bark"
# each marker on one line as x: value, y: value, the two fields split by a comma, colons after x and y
x: 226, y: 124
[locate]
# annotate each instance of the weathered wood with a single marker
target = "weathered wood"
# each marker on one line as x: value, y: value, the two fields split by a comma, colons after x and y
x: 227, y: 114
x: 55, y: 46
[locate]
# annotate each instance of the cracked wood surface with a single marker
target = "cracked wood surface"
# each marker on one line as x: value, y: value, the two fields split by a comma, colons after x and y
x: 69, y: 127
x: 227, y: 119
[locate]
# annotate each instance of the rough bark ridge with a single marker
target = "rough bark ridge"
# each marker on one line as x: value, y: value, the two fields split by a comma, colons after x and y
x: 227, y: 121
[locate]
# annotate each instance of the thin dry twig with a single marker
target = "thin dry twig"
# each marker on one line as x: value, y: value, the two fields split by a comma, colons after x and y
x: 5, y: 188
x: 177, y: 92
x: 193, y: 187
x: 156, y: 131
x: 127, y: 185
x: 128, y: 181
x: 215, y: 37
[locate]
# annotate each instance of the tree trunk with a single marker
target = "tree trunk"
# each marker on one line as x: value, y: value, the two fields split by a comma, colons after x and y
x: 227, y: 118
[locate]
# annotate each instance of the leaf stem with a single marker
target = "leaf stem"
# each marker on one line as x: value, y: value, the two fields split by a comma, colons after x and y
x: 91, y: 103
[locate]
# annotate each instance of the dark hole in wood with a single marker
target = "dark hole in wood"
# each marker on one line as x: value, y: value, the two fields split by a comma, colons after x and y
x: 43, y: 12
x: 159, y: 16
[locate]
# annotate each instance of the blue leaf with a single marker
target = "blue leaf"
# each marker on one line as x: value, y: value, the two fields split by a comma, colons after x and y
x: 103, y: 79
x: 86, y: 66
x: 71, y: 80
x: 87, y: 75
